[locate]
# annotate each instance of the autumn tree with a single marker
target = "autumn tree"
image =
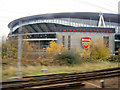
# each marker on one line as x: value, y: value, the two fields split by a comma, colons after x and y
x: 119, y: 51
x: 54, y: 48
x: 26, y: 47
x: 10, y: 48
x: 98, y: 50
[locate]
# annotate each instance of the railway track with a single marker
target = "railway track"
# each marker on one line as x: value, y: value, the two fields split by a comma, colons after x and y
x: 58, y: 80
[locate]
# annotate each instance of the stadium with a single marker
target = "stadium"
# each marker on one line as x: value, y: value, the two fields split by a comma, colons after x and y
x: 73, y: 30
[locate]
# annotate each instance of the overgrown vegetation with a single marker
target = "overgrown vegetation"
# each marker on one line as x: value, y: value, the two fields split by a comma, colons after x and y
x: 98, y: 50
x: 54, y: 49
x: 119, y: 51
x: 9, y: 49
x: 68, y: 57
x: 11, y: 71
x: 56, y: 59
x: 95, y: 51
x: 113, y: 58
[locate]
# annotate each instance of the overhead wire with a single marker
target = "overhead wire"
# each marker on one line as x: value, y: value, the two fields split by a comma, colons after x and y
x: 94, y: 5
x: 111, y: 4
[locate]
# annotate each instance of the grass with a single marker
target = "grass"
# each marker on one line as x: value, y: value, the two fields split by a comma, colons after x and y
x: 10, y: 71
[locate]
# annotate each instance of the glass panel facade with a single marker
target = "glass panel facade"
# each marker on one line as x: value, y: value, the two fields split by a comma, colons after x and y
x: 117, y: 37
x: 39, y: 36
x: 117, y: 42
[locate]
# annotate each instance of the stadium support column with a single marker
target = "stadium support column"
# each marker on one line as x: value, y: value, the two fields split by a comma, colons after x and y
x: 19, y: 51
x: 101, y: 20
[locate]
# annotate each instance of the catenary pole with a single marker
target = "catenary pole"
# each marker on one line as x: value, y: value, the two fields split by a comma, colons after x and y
x: 19, y: 51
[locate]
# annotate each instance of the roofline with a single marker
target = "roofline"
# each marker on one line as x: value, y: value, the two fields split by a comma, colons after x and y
x: 56, y: 15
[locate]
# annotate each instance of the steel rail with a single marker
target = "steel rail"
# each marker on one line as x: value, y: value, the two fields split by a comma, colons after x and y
x: 62, y: 78
x: 56, y: 82
x: 109, y: 69
x: 60, y: 86
x: 59, y: 76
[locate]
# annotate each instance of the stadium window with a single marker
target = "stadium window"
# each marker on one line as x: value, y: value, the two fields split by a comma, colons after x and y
x: 63, y: 40
x: 106, y: 41
x: 69, y: 41
x: 58, y: 20
x: 74, y: 24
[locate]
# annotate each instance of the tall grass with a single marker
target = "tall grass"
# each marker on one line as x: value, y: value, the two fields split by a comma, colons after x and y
x: 10, y: 71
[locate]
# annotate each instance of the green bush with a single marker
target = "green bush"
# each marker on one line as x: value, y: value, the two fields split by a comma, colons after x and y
x: 112, y: 58
x: 67, y: 57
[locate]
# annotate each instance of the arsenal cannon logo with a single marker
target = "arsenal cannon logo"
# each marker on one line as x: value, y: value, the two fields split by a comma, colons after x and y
x: 85, y: 42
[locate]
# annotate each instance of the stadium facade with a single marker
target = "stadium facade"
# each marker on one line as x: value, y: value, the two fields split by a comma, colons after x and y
x: 73, y: 30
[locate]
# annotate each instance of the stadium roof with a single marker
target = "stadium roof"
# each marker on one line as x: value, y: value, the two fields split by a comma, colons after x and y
x: 80, y: 15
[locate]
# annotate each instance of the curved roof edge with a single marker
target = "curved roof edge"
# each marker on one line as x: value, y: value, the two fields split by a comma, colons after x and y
x: 81, y: 15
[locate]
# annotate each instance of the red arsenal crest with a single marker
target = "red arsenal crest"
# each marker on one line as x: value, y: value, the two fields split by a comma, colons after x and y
x: 85, y: 42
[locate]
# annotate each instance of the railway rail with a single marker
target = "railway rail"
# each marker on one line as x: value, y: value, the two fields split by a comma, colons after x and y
x: 58, y: 80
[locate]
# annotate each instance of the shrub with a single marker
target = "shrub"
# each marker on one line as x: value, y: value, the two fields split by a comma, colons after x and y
x: 67, y: 57
x: 85, y: 54
x: 54, y: 49
x: 98, y: 50
x: 112, y: 58
x: 119, y: 51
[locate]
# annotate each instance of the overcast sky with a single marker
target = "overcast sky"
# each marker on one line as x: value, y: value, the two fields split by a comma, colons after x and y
x: 14, y: 9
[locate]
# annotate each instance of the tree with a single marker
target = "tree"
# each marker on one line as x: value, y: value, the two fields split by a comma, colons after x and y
x: 26, y: 47
x: 10, y: 50
x: 98, y: 50
x: 119, y: 51
x: 54, y: 49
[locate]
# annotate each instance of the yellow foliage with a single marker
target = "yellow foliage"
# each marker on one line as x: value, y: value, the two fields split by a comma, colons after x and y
x: 85, y: 54
x: 98, y: 50
x: 10, y: 48
x: 119, y: 51
x: 54, y: 48
x: 26, y: 47
x: 78, y: 51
